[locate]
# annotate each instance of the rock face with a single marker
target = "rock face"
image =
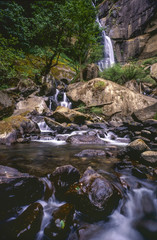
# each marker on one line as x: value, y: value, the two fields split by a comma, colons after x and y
x: 132, y: 26
x: 6, y: 105
x: 63, y: 114
x: 99, y: 91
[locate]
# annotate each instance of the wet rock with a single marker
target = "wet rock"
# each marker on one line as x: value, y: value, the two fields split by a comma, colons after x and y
x: 26, y: 225
x: 146, y: 140
x: 19, y: 192
x: 136, y: 147
x: 6, y: 105
x: 63, y: 177
x: 90, y: 153
x: 54, y: 125
x: 94, y: 196
x: 146, y: 134
x: 85, y: 231
x: 84, y: 139
x: 150, y: 123
x: 138, y: 173
x: 63, y: 114
x: 61, y: 222
x: 8, y: 174
x: 148, y: 228
x: 149, y: 158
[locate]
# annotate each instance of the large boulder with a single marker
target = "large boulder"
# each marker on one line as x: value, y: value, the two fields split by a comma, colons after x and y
x: 116, y: 98
x: 63, y: 177
x: 15, y: 127
x: 153, y: 71
x: 145, y: 113
x: 94, y: 195
x: 6, y: 105
x: 64, y: 114
x: 33, y: 103
x: 136, y: 147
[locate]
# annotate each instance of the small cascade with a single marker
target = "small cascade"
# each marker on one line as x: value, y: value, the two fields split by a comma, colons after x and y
x: 108, y: 59
x: 59, y: 99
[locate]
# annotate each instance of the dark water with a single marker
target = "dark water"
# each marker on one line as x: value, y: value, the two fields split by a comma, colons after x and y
x: 39, y: 158
x: 134, y: 219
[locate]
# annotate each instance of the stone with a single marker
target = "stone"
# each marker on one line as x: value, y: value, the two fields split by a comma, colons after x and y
x: 84, y: 139
x: 18, y: 192
x: 90, y: 153
x: 61, y: 222
x: 15, y: 127
x: 117, y: 99
x: 94, y: 195
x: 7, y: 105
x: 63, y: 114
x: 33, y: 103
x: 149, y: 158
x: 145, y: 113
x: 27, y: 87
x: 63, y: 177
x: 91, y: 71
x: 26, y: 225
x: 136, y: 147
x: 133, y: 85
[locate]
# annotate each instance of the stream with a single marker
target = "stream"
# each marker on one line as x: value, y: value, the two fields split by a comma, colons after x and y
x: 134, y: 218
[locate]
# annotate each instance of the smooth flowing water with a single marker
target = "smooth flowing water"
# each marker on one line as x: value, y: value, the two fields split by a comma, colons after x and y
x: 136, y: 215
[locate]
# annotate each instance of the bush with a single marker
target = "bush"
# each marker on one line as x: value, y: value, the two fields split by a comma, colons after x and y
x: 122, y: 74
x: 96, y: 110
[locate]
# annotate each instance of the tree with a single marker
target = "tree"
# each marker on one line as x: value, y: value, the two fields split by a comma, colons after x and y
x: 84, y: 31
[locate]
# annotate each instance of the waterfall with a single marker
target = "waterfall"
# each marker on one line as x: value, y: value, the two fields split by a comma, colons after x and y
x: 59, y: 99
x: 108, y: 59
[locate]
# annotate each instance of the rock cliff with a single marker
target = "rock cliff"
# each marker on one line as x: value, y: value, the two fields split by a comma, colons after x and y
x: 132, y: 26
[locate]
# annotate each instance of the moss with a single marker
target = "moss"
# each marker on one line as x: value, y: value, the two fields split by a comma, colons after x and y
x: 155, y: 116
x: 13, y: 122
x: 99, y: 85
x: 96, y: 110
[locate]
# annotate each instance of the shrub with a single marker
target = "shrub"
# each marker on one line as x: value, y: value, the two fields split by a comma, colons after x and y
x: 96, y: 110
x: 122, y: 74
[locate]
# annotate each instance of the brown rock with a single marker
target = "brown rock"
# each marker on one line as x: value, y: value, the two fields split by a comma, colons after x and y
x: 6, y: 105
x: 153, y: 72
x: 90, y: 71
x: 150, y: 158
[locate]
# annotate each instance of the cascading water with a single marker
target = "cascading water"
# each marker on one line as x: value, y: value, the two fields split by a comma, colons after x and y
x: 64, y: 101
x: 108, y: 59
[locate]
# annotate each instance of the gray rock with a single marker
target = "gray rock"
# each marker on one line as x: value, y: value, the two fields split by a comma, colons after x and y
x: 90, y: 153
x: 6, y: 105
x: 84, y: 139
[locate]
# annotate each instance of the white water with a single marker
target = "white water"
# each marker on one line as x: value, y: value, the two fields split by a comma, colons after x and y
x: 122, y: 226
x: 110, y: 138
x: 108, y: 54
x: 64, y: 103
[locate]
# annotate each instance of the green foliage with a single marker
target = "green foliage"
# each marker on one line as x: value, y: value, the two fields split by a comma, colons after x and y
x: 99, y: 85
x: 155, y: 116
x: 122, y: 74
x: 96, y: 110
x: 8, y: 58
x: 81, y: 108
x: 149, y: 61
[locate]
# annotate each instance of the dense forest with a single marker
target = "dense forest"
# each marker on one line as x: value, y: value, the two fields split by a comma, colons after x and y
x: 36, y: 35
